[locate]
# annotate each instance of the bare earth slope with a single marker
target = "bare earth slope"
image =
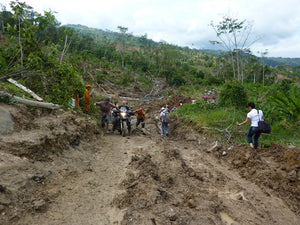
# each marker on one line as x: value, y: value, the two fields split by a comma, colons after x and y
x: 59, y: 168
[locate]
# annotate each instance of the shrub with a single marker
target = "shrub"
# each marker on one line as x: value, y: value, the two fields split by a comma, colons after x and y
x: 57, y: 84
x: 177, y: 80
x: 211, y: 80
x: 233, y: 94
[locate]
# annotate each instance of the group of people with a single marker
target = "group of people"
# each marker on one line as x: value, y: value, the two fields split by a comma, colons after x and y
x: 86, y: 98
x: 106, y: 107
x: 211, y: 95
x: 106, y: 111
x: 254, y: 115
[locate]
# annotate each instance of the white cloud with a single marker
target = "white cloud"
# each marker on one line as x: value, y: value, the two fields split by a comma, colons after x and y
x: 186, y: 22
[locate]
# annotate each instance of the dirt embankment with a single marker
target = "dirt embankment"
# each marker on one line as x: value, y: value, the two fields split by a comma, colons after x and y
x: 59, y: 168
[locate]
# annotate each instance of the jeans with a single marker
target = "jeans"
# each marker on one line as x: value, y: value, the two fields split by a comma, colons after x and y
x: 104, y: 120
x: 164, y: 128
x: 253, y: 131
x: 138, y: 121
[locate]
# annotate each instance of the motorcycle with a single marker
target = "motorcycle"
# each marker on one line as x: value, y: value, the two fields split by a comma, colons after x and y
x: 122, y: 121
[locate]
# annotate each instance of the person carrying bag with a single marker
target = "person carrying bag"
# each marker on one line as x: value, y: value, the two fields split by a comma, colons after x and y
x: 254, y: 116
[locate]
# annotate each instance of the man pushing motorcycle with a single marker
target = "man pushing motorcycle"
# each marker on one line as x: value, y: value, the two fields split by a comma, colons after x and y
x: 105, y: 110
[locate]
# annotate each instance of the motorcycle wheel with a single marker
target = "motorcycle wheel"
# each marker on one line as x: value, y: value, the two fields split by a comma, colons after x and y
x: 123, y: 129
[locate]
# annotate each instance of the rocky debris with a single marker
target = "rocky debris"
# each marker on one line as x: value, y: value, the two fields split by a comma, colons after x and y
x: 39, y: 205
x: 6, y: 121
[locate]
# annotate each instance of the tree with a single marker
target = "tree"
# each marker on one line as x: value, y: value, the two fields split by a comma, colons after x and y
x: 147, y: 47
x: 263, y: 54
x: 19, y: 10
x: 28, y: 28
x: 2, y: 18
x: 167, y: 58
x: 234, y: 36
x: 122, y: 39
x: 252, y: 69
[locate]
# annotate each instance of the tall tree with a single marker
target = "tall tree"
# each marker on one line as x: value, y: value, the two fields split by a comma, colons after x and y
x: 167, y: 58
x: 3, y: 10
x: 28, y: 28
x: 147, y: 47
x: 19, y: 9
x: 234, y: 36
x: 122, y: 39
x: 262, y: 56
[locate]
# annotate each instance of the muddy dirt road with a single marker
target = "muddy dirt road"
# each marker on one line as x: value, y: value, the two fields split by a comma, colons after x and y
x: 59, y: 168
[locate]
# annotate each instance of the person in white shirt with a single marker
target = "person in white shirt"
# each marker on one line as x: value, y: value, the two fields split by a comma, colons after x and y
x: 254, y: 115
x: 164, y: 124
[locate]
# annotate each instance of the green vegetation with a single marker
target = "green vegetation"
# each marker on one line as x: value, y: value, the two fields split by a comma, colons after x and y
x: 233, y: 94
x: 55, y: 61
x: 281, y: 109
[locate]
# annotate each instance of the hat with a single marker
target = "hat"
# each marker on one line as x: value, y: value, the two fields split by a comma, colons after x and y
x: 88, y: 86
x: 162, y: 108
x: 107, y: 100
x: 140, y: 109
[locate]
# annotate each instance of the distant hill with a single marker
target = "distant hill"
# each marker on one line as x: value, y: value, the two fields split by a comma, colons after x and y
x: 99, y: 33
x: 271, y: 61
x: 275, y: 61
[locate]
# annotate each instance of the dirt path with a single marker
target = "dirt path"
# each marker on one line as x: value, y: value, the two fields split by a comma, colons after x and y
x: 85, y: 197
x: 49, y: 177
x: 150, y: 180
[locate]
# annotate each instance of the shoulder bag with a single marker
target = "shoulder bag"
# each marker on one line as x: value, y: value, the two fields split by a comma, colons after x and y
x: 263, y: 126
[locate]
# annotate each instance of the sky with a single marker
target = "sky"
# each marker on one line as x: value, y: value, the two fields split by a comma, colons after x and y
x: 275, y: 23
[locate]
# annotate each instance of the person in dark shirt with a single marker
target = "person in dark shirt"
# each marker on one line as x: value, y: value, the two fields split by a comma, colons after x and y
x: 105, y: 111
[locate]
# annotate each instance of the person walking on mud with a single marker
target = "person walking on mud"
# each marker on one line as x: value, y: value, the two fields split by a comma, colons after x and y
x: 164, y: 118
x: 140, y: 117
x: 255, y: 116
x: 105, y: 110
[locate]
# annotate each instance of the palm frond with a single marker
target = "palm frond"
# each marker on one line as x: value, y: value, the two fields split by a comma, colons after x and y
x: 288, y: 106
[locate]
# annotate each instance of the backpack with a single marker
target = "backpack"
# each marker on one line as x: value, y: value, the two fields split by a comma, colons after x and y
x: 167, y: 118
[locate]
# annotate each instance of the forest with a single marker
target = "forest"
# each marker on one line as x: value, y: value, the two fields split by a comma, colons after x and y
x: 54, y: 61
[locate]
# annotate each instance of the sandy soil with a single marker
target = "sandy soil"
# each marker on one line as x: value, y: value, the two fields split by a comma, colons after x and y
x: 58, y: 167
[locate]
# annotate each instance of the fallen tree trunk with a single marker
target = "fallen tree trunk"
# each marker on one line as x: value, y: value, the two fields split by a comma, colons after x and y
x: 29, y: 102
x: 25, y: 89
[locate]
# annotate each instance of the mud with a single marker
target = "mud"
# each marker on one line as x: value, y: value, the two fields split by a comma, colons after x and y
x: 59, y: 167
